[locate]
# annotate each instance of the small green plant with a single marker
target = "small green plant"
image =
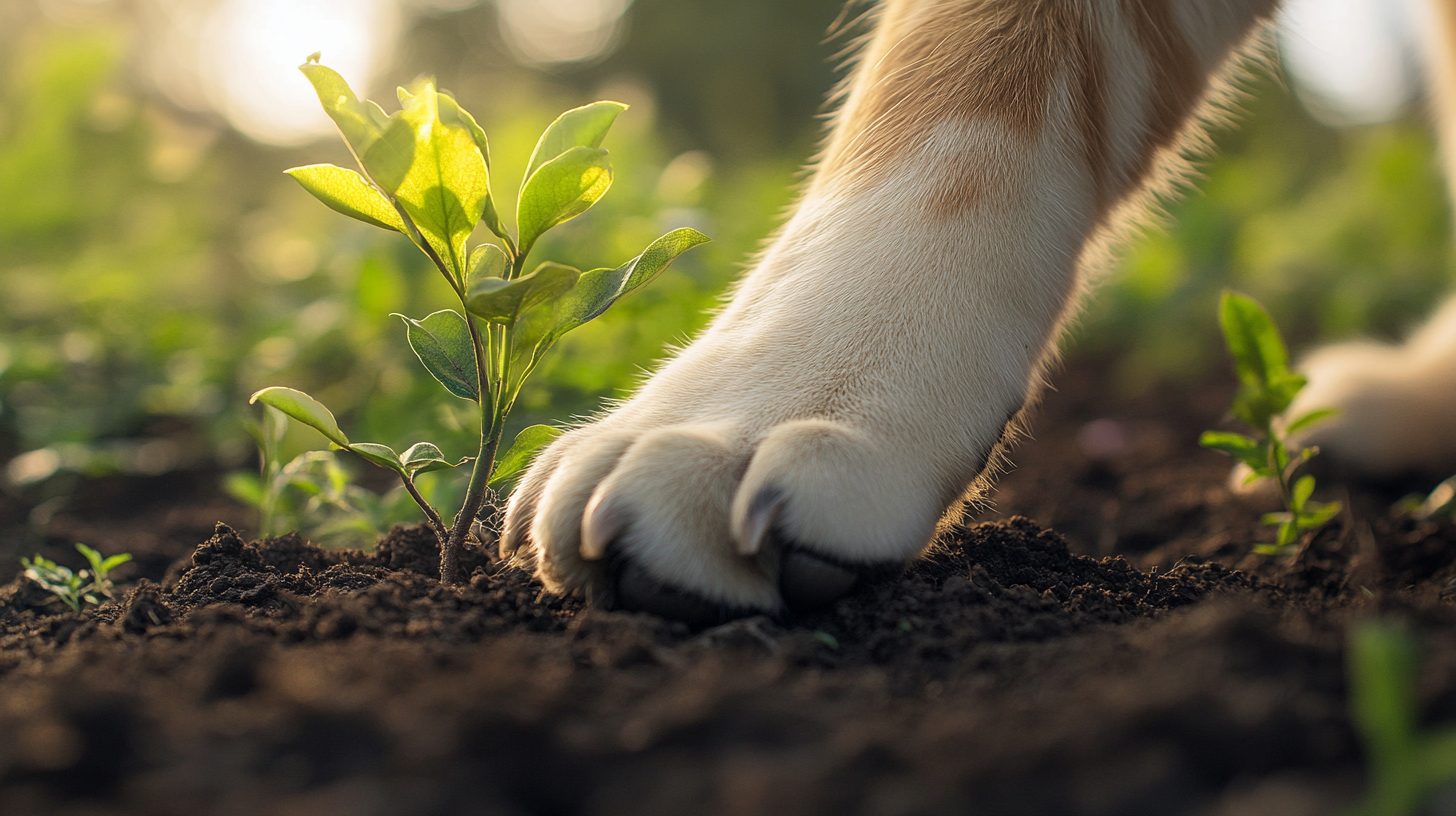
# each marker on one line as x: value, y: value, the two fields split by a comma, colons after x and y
x: 76, y: 588
x: 1407, y: 764
x: 1266, y: 389
x: 424, y: 171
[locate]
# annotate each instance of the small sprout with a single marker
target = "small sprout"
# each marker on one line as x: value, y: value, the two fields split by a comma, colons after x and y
x: 1408, y: 764
x: 905, y: 626
x: 76, y: 589
x: 827, y: 639
x: 424, y: 172
x: 1266, y: 391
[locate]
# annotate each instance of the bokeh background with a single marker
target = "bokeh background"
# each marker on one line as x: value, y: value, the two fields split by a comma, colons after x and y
x: 156, y: 267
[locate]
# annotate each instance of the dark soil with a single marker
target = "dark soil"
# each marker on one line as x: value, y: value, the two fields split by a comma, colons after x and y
x: 1134, y: 658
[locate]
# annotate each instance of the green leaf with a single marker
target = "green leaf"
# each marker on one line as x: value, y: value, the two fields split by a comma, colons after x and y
x: 653, y: 260
x: 585, y: 126
x: 1310, y: 419
x: 1318, y: 514
x: 112, y: 563
x: 492, y: 221
x: 1272, y: 519
x: 246, y: 487
x: 1382, y: 661
x: 560, y: 190
x: 442, y: 342
x: 1288, y: 534
x: 529, y: 442
x: 347, y: 192
x: 381, y: 455
x: 358, y: 121
x: 305, y: 409
x: 598, y: 289
x: 486, y: 261
x: 445, y: 186
x: 502, y: 301
x: 1246, y: 449
x: 452, y: 114
x: 1302, y: 490
x: 92, y: 557
x: 423, y: 457
x: 1260, y: 357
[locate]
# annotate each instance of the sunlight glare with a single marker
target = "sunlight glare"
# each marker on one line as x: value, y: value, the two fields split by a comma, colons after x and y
x: 557, y: 31
x: 250, y: 51
x: 1356, y: 61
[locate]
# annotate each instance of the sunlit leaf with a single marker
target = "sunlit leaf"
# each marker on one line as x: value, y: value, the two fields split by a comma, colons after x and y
x: 1302, y: 490
x: 529, y: 442
x: 585, y: 126
x: 347, y: 192
x: 659, y: 254
x: 1311, y: 419
x: 501, y: 301
x: 305, y: 409
x: 446, y: 183
x: 486, y: 261
x: 442, y: 342
x: 452, y: 114
x: 1246, y: 449
x: 1318, y: 514
x: 381, y: 455
x: 357, y: 122
x: 560, y: 190
x: 424, y: 457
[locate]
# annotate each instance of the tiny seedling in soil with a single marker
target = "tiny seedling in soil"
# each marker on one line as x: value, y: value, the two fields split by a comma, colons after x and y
x: 75, y: 589
x: 424, y: 171
x: 1407, y: 764
x: 1266, y: 389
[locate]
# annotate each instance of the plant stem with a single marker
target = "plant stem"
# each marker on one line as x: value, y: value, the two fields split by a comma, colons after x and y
x: 490, y: 434
x: 436, y: 523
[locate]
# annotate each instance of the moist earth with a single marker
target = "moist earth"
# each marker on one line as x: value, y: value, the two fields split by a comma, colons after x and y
x: 1123, y: 653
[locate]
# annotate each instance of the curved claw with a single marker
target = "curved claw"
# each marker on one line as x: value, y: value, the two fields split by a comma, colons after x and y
x: 809, y: 582
x: 638, y: 591
x: 758, y: 524
x: 600, y: 525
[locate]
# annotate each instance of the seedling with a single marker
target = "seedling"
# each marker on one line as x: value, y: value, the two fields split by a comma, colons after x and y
x: 1407, y: 764
x: 76, y: 588
x: 1267, y: 387
x: 424, y: 171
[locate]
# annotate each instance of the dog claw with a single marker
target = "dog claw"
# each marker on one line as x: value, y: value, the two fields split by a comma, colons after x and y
x: 600, y: 525
x: 763, y: 512
x: 638, y: 591
x: 808, y: 582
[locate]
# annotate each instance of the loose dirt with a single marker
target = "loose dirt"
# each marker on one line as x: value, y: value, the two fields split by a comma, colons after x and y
x: 1124, y: 653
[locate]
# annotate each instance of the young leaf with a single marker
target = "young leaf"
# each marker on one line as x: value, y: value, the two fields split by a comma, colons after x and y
x: 501, y: 301
x: 486, y: 261
x: 452, y: 114
x: 305, y: 409
x: 345, y: 191
x: 446, y: 184
x: 1246, y: 449
x: 598, y: 289
x: 585, y: 126
x: 560, y: 190
x: 1311, y: 419
x: 1300, y: 493
x: 423, y: 457
x: 653, y: 260
x: 1317, y: 514
x: 1260, y: 357
x: 381, y: 455
x: 357, y: 121
x: 112, y: 563
x: 442, y: 342
x: 528, y: 443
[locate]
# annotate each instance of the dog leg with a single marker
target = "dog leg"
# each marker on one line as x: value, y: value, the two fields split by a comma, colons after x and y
x: 866, y: 370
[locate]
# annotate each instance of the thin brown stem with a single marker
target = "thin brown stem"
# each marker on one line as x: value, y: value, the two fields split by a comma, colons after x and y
x: 436, y: 523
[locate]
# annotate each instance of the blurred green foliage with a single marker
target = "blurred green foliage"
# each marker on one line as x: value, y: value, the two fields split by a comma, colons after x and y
x: 156, y: 268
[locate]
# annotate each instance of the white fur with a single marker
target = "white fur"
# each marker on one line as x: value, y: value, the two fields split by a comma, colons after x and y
x: 869, y: 363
